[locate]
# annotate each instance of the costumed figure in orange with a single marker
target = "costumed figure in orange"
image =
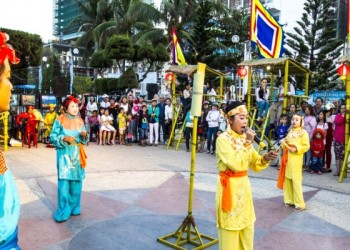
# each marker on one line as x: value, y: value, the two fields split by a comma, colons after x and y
x: 235, y: 154
x: 294, y: 145
x: 9, y: 200
x: 68, y: 136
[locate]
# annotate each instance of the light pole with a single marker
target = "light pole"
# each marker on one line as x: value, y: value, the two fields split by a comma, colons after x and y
x: 44, y: 59
x: 71, y: 67
x: 235, y: 41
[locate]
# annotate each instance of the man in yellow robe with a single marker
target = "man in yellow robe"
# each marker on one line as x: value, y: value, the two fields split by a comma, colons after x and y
x: 234, y: 203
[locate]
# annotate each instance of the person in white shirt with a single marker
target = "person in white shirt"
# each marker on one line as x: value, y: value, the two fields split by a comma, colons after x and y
x: 90, y: 107
x: 262, y: 97
x: 168, y: 118
x: 213, y: 127
x: 105, y: 103
x: 211, y: 93
x: 276, y: 107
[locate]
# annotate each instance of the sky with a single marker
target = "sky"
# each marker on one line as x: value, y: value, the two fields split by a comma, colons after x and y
x: 33, y: 16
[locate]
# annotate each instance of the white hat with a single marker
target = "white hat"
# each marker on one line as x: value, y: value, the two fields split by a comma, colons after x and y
x: 104, y: 96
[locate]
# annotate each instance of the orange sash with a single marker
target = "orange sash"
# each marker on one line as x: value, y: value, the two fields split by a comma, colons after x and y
x: 227, y: 202
x: 82, y: 155
x: 282, y: 172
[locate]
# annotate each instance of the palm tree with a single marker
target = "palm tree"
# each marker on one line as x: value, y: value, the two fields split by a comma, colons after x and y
x: 129, y: 18
x: 94, y: 13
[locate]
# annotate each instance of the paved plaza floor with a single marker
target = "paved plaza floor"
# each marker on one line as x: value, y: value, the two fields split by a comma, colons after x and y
x: 133, y: 195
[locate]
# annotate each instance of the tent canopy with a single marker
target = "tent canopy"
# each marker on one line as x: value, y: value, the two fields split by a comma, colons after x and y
x: 189, y: 70
x: 277, y: 65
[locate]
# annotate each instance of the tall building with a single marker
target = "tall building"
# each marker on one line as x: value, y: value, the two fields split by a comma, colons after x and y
x: 64, y: 12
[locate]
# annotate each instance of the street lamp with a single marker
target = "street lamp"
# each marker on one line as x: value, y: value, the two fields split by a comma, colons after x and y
x: 44, y: 59
x: 71, y: 69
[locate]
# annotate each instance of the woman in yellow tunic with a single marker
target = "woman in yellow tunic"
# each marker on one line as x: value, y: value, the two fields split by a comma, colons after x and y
x: 234, y: 203
x: 294, y: 146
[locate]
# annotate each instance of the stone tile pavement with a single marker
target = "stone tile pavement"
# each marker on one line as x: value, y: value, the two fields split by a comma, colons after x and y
x: 133, y: 195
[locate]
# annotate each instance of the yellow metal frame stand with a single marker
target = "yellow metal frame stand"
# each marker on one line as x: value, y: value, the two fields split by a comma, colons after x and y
x: 187, y: 232
x: 4, y: 117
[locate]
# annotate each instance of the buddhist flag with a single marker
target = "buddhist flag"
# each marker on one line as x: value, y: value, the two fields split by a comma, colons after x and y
x: 178, y: 56
x: 265, y: 32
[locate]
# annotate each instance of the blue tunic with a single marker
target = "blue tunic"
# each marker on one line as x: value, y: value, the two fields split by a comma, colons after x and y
x: 9, y: 210
x: 70, y: 172
x: 68, y: 160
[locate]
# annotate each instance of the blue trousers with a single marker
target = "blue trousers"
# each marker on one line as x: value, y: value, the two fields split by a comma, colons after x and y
x: 317, y: 163
x: 263, y: 108
x: 11, y: 243
x: 68, y: 199
x: 212, y: 132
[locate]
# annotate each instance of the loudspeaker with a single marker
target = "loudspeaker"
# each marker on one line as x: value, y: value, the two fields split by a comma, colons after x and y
x: 61, y: 86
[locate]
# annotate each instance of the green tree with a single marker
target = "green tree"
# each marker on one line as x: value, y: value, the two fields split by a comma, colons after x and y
x: 50, y: 71
x: 94, y: 13
x: 29, y: 49
x: 128, y: 80
x: 315, y: 44
x: 100, y: 62
x: 82, y: 84
x: 120, y: 48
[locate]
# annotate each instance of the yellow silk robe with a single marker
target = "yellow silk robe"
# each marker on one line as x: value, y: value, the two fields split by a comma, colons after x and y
x: 300, y: 139
x: 49, y: 121
x: 231, y: 153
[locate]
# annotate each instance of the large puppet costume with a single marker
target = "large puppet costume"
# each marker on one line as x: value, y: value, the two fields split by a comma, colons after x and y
x: 68, y: 136
x: 9, y: 201
x: 234, y: 203
x: 294, y: 145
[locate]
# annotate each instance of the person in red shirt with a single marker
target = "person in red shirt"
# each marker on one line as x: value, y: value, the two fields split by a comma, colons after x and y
x: 317, y: 151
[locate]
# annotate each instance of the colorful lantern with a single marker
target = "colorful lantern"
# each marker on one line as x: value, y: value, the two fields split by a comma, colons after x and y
x: 169, y: 77
x: 343, y: 71
x: 242, y: 72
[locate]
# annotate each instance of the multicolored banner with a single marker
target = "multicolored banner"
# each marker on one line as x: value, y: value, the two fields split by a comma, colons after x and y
x: 177, y: 55
x: 265, y: 32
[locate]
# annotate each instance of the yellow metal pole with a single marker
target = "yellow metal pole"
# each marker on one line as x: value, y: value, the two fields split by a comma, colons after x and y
x: 307, y: 75
x: 249, y: 94
x: 285, y: 100
x: 4, y: 116
x: 221, y: 89
x: 347, y: 108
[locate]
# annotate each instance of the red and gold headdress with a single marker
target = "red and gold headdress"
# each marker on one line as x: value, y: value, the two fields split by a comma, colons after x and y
x: 6, y: 51
x: 70, y: 99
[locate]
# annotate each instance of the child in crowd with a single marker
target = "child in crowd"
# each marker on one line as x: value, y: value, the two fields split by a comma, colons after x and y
x: 329, y: 139
x: 143, y: 125
x: 100, y: 114
x: 122, y: 125
x: 129, y: 126
x: 317, y: 151
x: 188, y: 127
x: 282, y: 131
x: 213, y: 127
x: 94, y: 125
x: 292, y: 111
x: 106, y: 122
x: 294, y: 145
x: 222, y: 120
x: 322, y: 123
